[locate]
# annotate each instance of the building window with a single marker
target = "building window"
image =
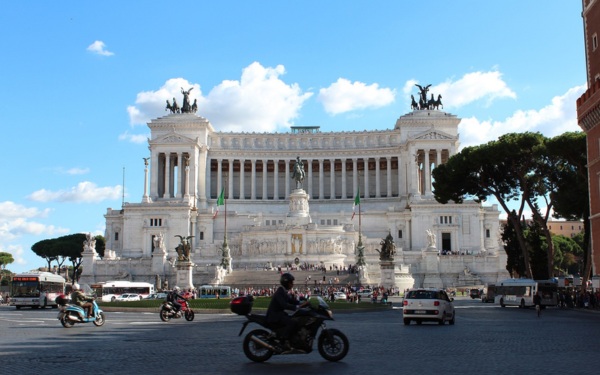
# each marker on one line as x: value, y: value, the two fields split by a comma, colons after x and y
x: 156, y: 222
x: 400, y: 234
x: 487, y: 233
x: 201, y: 236
x: 335, y: 222
x: 445, y: 219
x: 594, y: 41
x: 116, y: 236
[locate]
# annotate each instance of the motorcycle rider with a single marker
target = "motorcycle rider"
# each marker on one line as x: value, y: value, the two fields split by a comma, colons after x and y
x: 283, y: 300
x: 173, y: 296
x: 80, y: 299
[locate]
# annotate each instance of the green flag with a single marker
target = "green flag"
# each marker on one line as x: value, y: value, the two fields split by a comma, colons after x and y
x: 220, y: 202
x: 356, y: 203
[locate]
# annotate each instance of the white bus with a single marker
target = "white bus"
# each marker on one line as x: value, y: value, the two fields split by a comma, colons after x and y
x: 520, y: 292
x: 36, y: 289
x: 109, y: 291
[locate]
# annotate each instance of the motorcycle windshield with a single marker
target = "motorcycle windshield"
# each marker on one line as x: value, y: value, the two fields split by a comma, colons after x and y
x: 320, y: 302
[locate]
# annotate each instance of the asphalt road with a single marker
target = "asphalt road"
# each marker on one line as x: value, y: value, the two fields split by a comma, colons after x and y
x: 486, y: 339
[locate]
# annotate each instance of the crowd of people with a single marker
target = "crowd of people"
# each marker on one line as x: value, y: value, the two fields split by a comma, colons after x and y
x: 580, y: 299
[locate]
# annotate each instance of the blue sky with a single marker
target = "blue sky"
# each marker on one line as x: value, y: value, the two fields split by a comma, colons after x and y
x: 79, y: 80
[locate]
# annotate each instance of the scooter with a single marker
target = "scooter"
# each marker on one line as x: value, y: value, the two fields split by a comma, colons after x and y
x: 69, y: 315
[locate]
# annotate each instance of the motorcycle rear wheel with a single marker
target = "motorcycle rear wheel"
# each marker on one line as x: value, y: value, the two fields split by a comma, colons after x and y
x: 99, y: 322
x: 165, y: 315
x: 66, y: 322
x: 189, y: 315
x: 333, y: 349
x: 255, y: 351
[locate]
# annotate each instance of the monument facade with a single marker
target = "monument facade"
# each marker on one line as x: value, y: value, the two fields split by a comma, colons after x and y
x: 289, y: 200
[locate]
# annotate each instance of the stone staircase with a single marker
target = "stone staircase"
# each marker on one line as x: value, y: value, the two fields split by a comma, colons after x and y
x: 269, y: 278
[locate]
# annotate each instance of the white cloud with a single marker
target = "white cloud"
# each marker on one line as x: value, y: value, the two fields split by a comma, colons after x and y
x: 98, y: 47
x: 15, y: 221
x: 134, y: 138
x: 556, y: 118
x: 153, y: 104
x: 16, y: 251
x: 10, y: 210
x: 260, y: 101
x: 86, y: 192
x: 472, y: 87
x: 345, y: 96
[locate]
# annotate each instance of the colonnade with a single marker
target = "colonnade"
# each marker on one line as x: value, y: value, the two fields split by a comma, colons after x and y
x: 325, y: 178
x: 270, y: 179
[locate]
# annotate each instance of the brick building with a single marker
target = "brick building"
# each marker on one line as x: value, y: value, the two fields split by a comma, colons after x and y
x: 588, y: 117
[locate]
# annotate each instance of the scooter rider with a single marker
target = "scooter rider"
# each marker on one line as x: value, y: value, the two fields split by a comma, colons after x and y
x: 81, y: 300
x: 173, y: 296
x: 282, y: 300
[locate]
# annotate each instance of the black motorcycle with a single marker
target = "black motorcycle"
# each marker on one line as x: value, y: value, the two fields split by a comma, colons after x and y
x: 259, y: 344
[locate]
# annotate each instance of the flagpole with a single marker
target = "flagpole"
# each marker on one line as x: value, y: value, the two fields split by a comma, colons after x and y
x: 225, y: 204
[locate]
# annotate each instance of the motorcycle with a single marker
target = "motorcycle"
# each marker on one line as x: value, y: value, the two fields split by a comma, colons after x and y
x: 167, y: 311
x: 69, y: 315
x: 259, y: 344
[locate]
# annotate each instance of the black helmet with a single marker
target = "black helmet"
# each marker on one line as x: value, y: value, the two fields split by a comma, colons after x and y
x: 286, y: 278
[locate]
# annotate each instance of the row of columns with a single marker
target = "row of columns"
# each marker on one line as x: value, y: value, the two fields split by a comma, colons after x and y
x: 224, y: 174
x: 423, y: 160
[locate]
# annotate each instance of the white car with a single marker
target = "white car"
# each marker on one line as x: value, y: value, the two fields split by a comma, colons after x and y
x: 365, y: 294
x: 128, y: 297
x: 339, y: 296
x: 423, y: 305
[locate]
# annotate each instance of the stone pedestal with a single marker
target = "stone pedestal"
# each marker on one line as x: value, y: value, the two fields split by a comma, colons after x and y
x: 159, y: 258
x: 388, y: 273
x: 184, y: 274
x: 432, y: 268
x: 298, y: 214
x: 404, y: 279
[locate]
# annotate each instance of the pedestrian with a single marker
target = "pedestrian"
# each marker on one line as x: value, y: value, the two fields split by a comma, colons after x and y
x: 537, y: 301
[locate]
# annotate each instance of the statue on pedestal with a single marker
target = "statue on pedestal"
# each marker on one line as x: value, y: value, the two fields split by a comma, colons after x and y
x: 430, y: 238
x: 298, y: 173
x: 388, y: 248
x: 184, y: 248
x: 90, y: 243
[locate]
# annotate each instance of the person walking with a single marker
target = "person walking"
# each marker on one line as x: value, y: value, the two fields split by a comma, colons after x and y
x: 537, y: 301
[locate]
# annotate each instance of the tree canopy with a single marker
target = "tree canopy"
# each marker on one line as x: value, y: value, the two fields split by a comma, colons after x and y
x: 5, y: 259
x: 520, y: 170
x: 66, y: 247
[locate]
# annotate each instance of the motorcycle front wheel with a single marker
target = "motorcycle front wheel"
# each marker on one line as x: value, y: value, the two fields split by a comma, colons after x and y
x: 333, y: 345
x: 189, y: 315
x: 99, y: 320
x: 66, y: 322
x: 253, y: 350
x: 165, y: 315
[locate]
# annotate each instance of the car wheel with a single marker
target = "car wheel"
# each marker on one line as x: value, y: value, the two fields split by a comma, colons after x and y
x: 451, y: 322
x: 522, y: 305
x: 502, y: 302
x: 441, y: 322
x: 406, y: 321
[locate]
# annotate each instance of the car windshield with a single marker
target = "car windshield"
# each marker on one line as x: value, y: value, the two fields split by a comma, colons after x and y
x: 423, y: 294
